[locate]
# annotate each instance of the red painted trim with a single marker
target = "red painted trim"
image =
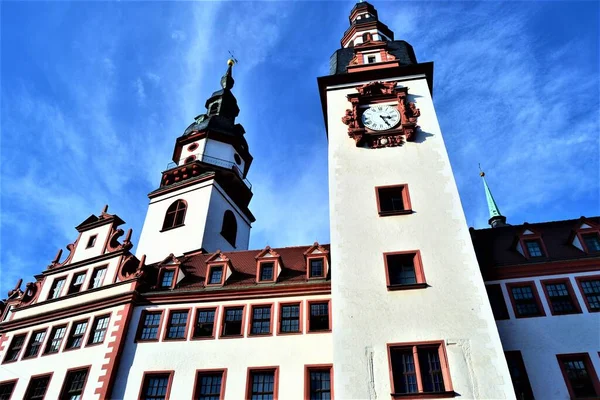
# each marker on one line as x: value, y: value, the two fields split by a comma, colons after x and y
x: 268, y: 260
x: 317, y: 367
x: 492, y: 273
x: 580, y: 279
x: 300, y: 305
x: 187, y: 325
x: 325, y: 266
x: 64, y: 287
x: 152, y: 373
x: 242, y: 328
x: 29, y: 343
x: 76, y: 369
x: 275, y: 370
x: 308, y: 303
x: 567, y: 283
x: 51, y: 336
x: 419, y: 272
x: 223, y: 274
x: 580, y: 232
x: 9, y: 382
x: 141, y: 325
x: 536, y: 296
x: 252, y: 306
x: 98, y: 268
x: 589, y: 366
x: 200, y: 372
x: 161, y: 274
x: 45, y: 375
x: 95, y: 318
x: 536, y: 236
x: 23, y: 345
x: 215, y: 322
x: 193, y: 146
x: 405, y: 200
x: 449, y: 391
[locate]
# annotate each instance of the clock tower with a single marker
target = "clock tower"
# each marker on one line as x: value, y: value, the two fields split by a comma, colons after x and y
x: 202, y: 201
x: 400, y: 245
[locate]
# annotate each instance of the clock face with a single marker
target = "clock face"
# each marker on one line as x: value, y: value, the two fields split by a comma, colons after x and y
x: 380, y: 118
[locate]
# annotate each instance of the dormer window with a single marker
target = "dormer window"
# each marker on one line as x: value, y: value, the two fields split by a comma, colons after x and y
x: 268, y: 266
x: 91, y: 241
x: 266, y: 271
x: 316, y: 267
x: 316, y: 262
x: 215, y: 276
x: 371, y: 59
x: 534, y: 248
x: 591, y: 241
x: 166, y: 279
x: 175, y: 215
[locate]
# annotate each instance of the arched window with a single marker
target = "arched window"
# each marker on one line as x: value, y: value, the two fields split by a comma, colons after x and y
x: 229, y: 229
x: 366, y: 37
x: 175, y: 215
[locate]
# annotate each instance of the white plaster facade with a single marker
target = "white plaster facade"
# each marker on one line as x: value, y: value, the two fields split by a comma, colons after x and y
x: 452, y: 309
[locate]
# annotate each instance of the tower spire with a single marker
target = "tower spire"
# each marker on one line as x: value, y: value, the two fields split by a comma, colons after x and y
x: 496, y: 218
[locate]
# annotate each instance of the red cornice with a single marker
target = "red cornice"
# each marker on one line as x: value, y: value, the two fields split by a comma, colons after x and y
x: 541, y: 269
x: 81, y: 263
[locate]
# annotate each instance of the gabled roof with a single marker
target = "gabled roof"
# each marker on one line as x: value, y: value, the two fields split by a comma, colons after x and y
x: 243, y: 267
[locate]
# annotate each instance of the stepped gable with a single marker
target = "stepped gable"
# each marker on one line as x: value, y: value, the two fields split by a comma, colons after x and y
x: 243, y: 266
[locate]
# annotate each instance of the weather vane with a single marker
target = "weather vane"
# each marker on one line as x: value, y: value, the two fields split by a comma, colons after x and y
x: 233, y: 57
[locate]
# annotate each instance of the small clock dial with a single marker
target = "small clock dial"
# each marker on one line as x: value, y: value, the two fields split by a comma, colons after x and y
x: 380, y: 118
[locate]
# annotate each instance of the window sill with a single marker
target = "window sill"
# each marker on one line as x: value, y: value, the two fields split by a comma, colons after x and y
x: 253, y: 335
x: 240, y: 336
x: 289, y: 333
x: 428, y: 395
x: 203, y: 338
x: 179, y: 339
x: 422, y: 285
x: 171, y: 228
x: 320, y: 331
x: 146, y: 340
x: 529, y: 316
x: 390, y: 213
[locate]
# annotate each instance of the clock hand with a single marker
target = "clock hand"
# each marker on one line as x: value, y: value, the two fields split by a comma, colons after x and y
x: 384, y: 120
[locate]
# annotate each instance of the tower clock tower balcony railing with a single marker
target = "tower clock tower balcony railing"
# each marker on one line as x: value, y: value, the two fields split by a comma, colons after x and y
x: 213, y: 161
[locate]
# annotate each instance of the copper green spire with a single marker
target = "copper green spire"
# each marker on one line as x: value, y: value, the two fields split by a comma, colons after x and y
x: 496, y: 218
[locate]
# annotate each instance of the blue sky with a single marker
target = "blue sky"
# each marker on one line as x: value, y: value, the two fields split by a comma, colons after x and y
x: 94, y: 94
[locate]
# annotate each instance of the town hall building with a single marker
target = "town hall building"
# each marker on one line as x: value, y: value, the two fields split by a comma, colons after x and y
x: 405, y: 302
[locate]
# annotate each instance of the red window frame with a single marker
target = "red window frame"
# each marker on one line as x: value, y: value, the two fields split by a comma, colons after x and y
x: 536, y: 296
x: 405, y: 200
x: 150, y: 374
x: 138, y: 334
x: 161, y: 276
x: 588, y: 366
x: 94, y: 272
x: 38, y: 376
x: 209, y: 271
x: 50, y: 338
x: 13, y: 383
x: 91, y: 241
x: 76, y: 289
x: 445, y: 370
x: 200, y: 372
x: 272, y: 315
x: 259, y: 264
x: 93, y: 329
x: 567, y: 283
x: 53, y: 286
x: 308, y: 267
x: 176, y: 208
x: 251, y: 370
x: 594, y: 229
x: 317, y: 367
x: 19, y: 349
x: 165, y: 337
x: 30, y: 343
x: 534, y: 236
x: 418, y: 266
x: 71, y: 334
x: 317, y: 301
x: 63, y: 390
x: 300, y: 317
x: 579, y: 280
x: 223, y: 321
x: 215, y: 323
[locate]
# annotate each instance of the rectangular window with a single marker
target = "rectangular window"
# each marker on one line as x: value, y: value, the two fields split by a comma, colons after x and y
x: 261, y: 320
x: 370, y: 59
x: 156, y: 386
x: 6, y: 389
x: 56, y: 336
x: 580, y: 376
x: 289, y: 318
x: 266, y: 271
x: 166, y: 280
x: 497, y: 302
x: 262, y: 384
x: 317, y: 381
x: 97, y: 277
x: 177, y: 325
x: 393, y: 200
x: 205, y: 323
x: 560, y: 297
x: 15, y: 348
x: 216, y: 275
x: 404, y: 270
x: 99, y: 330
x: 35, y: 343
x: 518, y: 375
x: 592, y: 242
x: 56, y: 288
x: 591, y: 292
x: 233, y: 321
x: 525, y: 300
x: 318, y: 320
x: 534, y: 248
x: 76, y: 336
x: 37, y: 387
x: 419, y: 368
x: 210, y: 385
x: 76, y: 283
x: 74, y: 384
x: 150, y: 325
x: 316, y: 268
x: 91, y: 241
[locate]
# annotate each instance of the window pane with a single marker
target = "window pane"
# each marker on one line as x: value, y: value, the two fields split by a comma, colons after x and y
x: 205, y: 322
x: 319, y: 316
x: 261, y: 320
x: 290, y: 318
x: 591, y: 290
x: 37, y: 388
x: 390, y: 199
x: 316, y: 268
x: 167, y: 279
x: 320, y: 385
x: 57, y: 335
x: 266, y: 271
x: 232, y: 324
x: 209, y: 386
x: 150, y: 326
x: 216, y: 274
x: 401, y: 269
x: 431, y: 370
x: 99, y: 330
x: 592, y: 242
x: 15, y: 348
x: 177, y: 325
x: 263, y: 385
x: 155, y: 387
x: 6, y: 390
x: 525, y: 301
x: 73, y: 386
x: 403, y: 371
x: 534, y: 248
x: 97, y: 277
x: 579, y: 378
x: 560, y: 299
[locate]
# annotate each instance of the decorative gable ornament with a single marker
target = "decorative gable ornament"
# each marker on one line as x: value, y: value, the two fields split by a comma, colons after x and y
x: 368, y: 96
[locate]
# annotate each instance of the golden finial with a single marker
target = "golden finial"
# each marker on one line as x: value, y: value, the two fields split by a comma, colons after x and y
x: 481, y: 173
x: 230, y: 62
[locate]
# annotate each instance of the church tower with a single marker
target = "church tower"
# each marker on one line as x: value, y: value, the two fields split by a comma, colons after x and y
x: 202, y: 201
x: 410, y: 312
